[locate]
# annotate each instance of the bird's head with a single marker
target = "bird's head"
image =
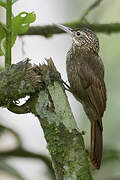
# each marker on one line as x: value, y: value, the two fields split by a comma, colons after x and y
x: 82, y: 37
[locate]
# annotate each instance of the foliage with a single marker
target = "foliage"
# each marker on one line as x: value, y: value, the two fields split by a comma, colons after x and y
x: 14, y: 26
x: 20, y: 25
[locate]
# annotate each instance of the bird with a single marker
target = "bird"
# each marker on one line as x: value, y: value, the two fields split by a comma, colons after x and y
x: 85, y: 71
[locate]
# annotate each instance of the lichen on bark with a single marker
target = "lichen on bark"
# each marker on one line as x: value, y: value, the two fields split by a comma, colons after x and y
x: 48, y: 101
x: 64, y: 140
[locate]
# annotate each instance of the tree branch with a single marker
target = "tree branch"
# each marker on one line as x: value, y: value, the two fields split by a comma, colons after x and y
x: 92, y: 6
x: 49, y: 30
x: 65, y: 143
x: 18, y: 139
x: 23, y: 109
x: 20, y: 152
x: 16, y: 82
x: 50, y: 104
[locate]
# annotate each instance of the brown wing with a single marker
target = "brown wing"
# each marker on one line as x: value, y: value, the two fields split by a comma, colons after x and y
x: 92, y: 79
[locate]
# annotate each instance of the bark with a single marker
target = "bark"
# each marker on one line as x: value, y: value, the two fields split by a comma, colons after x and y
x: 48, y: 101
x: 49, y: 30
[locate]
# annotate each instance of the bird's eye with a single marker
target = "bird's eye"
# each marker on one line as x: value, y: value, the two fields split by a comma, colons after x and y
x: 78, y: 33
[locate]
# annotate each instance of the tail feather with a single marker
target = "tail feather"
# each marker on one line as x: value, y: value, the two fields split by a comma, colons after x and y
x: 96, y: 145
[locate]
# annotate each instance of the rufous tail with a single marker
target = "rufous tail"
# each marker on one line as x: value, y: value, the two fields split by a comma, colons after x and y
x: 96, y: 144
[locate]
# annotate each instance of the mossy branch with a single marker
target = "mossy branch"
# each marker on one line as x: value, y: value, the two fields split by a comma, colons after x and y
x: 49, y: 30
x: 48, y: 101
x: 64, y: 140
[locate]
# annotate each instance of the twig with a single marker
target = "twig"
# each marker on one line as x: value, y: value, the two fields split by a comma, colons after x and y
x: 22, y: 153
x: 19, y: 142
x: 49, y: 30
x: 94, y: 5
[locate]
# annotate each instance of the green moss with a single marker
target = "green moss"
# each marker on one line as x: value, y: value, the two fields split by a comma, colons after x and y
x: 64, y: 141
x: 13, y: 85
x: 66, y: 149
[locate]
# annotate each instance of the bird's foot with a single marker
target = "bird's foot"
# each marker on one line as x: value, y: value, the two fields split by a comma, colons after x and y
x: 66, y: 86
x: 83, y: 132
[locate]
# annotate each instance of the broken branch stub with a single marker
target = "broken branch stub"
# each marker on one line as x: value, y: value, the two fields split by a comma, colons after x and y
x: 48, y: 101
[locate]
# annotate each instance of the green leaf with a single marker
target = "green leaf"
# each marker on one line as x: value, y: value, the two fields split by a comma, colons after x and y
x: 3, y: 3
x: 6, y: 168
x: 20, y: 24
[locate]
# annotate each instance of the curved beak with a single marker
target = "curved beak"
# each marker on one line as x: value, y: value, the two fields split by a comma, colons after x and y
x: 64, y: 28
